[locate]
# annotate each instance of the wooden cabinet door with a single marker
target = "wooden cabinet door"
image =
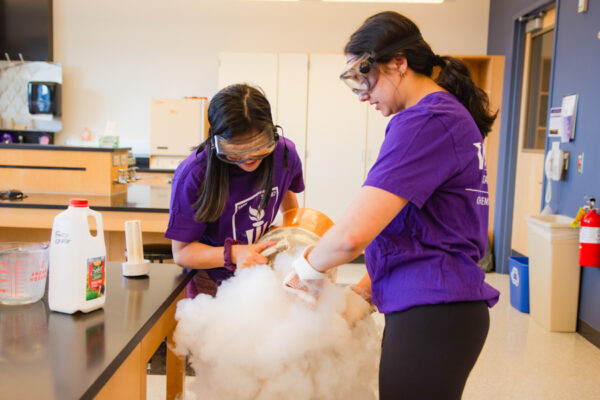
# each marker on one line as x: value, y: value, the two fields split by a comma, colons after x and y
x: 336, y: 136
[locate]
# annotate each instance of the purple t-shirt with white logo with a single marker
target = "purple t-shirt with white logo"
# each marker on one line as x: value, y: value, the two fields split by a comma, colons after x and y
x: 242, y: 219
x: 432, y: 156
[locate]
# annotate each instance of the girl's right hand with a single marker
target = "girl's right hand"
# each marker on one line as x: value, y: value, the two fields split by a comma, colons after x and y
x: 248, y: 255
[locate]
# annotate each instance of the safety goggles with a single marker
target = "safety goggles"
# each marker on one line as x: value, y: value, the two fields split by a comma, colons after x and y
x: 357, y: 74
x: 245, y: 148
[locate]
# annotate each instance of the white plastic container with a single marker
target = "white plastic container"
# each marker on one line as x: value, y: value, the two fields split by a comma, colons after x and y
x: 77, y: 275
x: 553, y: 271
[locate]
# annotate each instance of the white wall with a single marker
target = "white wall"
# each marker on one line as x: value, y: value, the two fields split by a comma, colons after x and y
x: 117, y: 54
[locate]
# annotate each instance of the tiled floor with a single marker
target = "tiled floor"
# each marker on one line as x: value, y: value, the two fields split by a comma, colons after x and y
x: 520, y: 360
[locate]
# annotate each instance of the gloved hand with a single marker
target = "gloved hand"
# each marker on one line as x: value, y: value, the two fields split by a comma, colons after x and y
x: 271, y: 252
x: 303, y: 279
x: 248, y: 255
x: 357, y: 307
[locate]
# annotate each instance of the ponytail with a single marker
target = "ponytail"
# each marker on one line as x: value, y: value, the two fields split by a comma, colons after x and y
x: 456, y: 78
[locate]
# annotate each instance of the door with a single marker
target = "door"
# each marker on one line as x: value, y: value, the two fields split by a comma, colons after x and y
x: 532, y: 124
x: 292, y: 92
x: 335, y: 139
x: 376, y: 124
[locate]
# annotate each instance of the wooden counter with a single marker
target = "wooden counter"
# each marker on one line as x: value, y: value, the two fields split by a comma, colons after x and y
x: 62, y: 169
x: 31, y: 219
x: 102, y: 354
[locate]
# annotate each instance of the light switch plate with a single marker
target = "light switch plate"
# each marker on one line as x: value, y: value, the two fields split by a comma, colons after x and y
x: 580, y: 163
x: 582, y: 6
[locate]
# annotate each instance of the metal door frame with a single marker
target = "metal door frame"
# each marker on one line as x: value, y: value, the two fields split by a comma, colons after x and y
x: 509, y: 144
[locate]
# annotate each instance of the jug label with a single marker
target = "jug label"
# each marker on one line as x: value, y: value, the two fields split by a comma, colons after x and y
x: 95, y: 278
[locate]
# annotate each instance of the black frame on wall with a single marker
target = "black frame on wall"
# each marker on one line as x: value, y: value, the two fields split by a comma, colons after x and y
x: 26, y: 28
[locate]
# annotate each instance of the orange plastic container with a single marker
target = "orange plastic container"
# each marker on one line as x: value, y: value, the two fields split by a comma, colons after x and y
x: 306, y: 218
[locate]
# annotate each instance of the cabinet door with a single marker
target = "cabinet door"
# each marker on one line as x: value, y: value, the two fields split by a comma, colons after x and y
x: 256, y: 69
x: 376, y: 124
x: 336, y: 136
x: 176, y: 126
x: 292, y: 99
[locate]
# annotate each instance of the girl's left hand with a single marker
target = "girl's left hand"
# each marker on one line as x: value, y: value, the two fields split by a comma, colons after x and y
x: 248, y: 255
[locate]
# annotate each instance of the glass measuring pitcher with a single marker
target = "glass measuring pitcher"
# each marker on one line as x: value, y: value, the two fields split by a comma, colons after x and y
x: 23, y: 272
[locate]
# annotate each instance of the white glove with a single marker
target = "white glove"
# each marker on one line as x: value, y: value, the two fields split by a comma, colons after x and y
x: 303, y: 279
x: 357, y: 308
x: 305, y: 271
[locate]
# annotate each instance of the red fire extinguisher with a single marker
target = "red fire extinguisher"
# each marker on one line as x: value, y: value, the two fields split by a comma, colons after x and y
x: 589, y: 237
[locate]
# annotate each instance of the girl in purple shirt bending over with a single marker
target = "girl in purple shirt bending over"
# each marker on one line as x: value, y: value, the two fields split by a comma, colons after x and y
x: 227, y: 193
x: 421, y: 216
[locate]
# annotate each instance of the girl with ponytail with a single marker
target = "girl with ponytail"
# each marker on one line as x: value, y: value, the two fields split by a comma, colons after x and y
x: 421, y: 216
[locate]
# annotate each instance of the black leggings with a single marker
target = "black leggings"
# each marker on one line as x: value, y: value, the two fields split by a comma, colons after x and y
x: 428, y: 351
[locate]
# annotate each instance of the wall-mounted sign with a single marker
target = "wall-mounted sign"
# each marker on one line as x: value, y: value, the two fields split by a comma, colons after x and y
x: 568, y: 114
x: 555, y: 121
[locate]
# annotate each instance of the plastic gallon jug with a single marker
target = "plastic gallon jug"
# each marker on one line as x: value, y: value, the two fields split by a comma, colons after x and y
x: 77, y: 261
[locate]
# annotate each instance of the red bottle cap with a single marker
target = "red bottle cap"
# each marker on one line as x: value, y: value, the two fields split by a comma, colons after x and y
x: 78, y: 202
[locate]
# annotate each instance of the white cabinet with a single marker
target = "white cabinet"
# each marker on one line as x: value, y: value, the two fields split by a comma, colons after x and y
x: 335, y: 138
x: 176, y: 126
x: 292, y: 96
x: 376, y: 125
x: 320, y: 114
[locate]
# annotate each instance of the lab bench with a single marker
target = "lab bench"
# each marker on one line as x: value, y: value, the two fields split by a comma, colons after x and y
x: 102, y: 354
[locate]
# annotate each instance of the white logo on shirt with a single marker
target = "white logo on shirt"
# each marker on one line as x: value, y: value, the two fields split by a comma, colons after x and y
x: 256, y: 215
x: 480, y: 154
x: 482, y: 200
x: 250, y: 207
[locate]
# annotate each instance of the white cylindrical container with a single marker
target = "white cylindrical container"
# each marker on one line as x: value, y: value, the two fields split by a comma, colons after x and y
x: 77, y: 275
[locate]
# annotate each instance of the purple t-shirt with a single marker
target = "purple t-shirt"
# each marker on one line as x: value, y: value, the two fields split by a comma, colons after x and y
x: 432, y: 156
x: 242, y: 219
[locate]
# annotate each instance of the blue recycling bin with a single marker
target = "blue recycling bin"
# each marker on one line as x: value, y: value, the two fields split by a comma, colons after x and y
x: 519, y: 283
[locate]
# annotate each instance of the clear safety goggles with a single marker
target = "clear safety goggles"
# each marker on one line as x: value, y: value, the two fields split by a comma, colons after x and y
x: 245, y: 148
x: 357, y: 74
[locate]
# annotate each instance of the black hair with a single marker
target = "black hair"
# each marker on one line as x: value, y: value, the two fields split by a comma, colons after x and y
x: 388, y: 34
x: 235, y: 110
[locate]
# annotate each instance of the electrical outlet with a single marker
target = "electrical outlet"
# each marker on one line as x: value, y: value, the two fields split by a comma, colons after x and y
x: 580, y: 163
